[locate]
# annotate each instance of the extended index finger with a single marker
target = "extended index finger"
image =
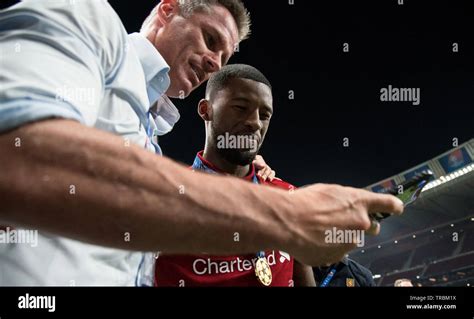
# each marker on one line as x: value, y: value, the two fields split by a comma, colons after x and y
x: 383, y: 203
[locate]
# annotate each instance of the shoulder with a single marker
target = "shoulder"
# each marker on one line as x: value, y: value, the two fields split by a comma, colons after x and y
x: 102, y: 31
x: 77, y: 25
x: 78, y: 16
x: 363, y: 274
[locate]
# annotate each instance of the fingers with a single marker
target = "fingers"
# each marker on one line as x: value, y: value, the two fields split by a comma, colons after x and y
x: 272, y: 175
x: 383, y: 203
x: 266, y: 173
x: 374, y: 228
x: 259, y: 162
x: 263, y: 173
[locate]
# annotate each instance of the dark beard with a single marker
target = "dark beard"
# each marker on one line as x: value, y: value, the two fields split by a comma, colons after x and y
x: 237, y: 156
x: 234, y: 156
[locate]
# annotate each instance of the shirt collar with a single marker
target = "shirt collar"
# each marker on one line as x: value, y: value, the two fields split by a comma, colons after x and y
x: 165, y: 115
x: 155, y: 69
x: 248, y: 177
x: 325, y: 269
x: 345, y: 261
x: 154, y: 66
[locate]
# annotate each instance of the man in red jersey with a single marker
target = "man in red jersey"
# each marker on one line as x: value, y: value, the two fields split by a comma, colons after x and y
x: 237, y: 112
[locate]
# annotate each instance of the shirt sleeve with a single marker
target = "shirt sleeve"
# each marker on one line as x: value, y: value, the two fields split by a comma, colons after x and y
x: 55, y: 57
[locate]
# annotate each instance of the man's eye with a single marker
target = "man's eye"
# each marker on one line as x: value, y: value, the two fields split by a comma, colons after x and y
x: 240, y: 108
x: 264, y: 117
x: 209, y: 40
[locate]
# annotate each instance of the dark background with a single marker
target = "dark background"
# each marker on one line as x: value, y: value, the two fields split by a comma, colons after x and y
x: 299, y: 47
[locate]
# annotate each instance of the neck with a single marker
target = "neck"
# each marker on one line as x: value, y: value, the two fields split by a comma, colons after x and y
x: 211, y: 155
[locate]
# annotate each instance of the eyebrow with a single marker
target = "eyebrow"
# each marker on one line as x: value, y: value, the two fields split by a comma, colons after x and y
x: 221, y: 40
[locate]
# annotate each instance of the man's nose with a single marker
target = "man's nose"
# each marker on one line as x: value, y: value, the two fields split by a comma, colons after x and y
x: 253, y: 121
x: 212, y: 63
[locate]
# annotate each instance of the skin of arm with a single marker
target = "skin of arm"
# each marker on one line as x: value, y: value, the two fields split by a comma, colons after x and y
x: 86, y: 184
x: 303, y: 275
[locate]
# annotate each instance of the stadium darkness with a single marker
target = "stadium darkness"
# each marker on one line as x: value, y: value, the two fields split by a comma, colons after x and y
x: 336, y: 94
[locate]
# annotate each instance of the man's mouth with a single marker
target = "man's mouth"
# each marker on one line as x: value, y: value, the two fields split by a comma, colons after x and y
x: 253, y: 136
x: 253, y: 140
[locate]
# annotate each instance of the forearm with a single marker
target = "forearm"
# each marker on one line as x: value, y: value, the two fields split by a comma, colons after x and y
x: 89, y: 185
x: 303, y: 275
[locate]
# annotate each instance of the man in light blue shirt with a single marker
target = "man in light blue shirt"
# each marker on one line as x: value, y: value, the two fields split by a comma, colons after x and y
x: 89, y: 70
x: 75, y: 115
x: 75, y: 61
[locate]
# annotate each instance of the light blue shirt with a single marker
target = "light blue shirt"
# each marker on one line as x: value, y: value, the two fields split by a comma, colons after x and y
x: 74, y: 60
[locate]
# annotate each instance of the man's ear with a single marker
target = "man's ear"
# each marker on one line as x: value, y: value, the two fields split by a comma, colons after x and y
x: 205, y: 110
x: 166, y: 10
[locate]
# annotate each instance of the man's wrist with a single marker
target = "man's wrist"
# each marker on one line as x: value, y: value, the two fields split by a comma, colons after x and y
x: 282, y: 217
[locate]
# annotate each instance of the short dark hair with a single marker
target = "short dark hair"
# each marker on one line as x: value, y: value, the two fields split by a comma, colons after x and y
x: 221, y: 78
x: 236, y: 8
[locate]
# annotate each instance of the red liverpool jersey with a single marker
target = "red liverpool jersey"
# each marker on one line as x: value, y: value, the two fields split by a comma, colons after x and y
x: 209, y: 270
